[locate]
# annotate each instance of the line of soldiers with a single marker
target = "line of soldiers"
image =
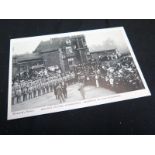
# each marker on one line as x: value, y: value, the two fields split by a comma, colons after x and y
x: 27, y: 90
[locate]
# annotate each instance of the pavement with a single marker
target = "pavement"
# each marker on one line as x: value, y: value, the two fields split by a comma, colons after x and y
x: 73, y: 95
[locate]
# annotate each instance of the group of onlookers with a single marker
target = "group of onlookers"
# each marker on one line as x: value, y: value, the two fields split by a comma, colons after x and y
x: 123, y: 75
x: 119, y: 75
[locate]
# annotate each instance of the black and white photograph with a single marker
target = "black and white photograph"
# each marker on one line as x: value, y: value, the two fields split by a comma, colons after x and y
x: 59, y: 72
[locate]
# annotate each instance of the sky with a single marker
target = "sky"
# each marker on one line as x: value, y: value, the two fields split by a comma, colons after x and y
x: 26, y: 45
x: 106, y: 40
x: 95, y: 40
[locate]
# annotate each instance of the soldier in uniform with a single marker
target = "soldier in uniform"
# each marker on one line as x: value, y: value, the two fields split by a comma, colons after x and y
x: 34, y: 89
x: 60, y: 93
x: 96, y: 80
x: 25, y: 91
x: 51, y: 85
x: 64, y: 89
x: 43, y: 88
x: 81, y: 89
x: 111, y: 81
x: 39, y: 88
x: 73, y: 78
x: 47, y: 86
x: 68, y: 79
x: 13, y: 95
x: 55, y: 90
x: 18, y: 93
x: 30, y: 90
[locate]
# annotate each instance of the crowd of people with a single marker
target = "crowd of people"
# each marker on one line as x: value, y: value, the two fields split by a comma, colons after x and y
x: 119, y: 75
x: 23, y: 90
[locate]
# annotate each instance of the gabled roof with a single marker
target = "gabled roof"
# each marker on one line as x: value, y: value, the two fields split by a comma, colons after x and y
x: 51, y: 45
x: 26, y: 57
x: 104, y: 51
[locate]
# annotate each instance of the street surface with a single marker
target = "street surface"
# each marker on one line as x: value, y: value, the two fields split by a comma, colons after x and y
x: 73, y: 95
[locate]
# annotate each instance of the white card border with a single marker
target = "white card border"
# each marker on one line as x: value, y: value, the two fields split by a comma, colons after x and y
x: 80, y: 104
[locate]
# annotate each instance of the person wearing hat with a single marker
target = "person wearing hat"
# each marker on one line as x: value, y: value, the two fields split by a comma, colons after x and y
x: 18, y: 93
x: 13, y: 95
x: 43, y: 88
x: 55, y: 90
x: 34, y: 89
x: 25, y: 91
x: 64, y: 89
x: 39, y: 88
x: 51, y: 85
x: 30, y: 90
x: 81, y: 89
x: 47, y: 86
x: 60, y: 93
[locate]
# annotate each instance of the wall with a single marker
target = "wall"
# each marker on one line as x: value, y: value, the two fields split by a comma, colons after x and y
x: 51, y: 59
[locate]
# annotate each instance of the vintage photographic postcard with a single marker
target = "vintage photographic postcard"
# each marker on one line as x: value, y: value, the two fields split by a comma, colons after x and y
x: 59, y: 72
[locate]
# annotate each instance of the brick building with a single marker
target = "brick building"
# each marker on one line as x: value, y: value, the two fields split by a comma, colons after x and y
x: 25, y: 62
x: 65, y: 52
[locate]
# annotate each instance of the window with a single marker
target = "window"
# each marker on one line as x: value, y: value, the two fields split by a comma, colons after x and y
x: 81, y: 43
x: 68, y: 42
x: 69, y: 50
x: 71, y: 61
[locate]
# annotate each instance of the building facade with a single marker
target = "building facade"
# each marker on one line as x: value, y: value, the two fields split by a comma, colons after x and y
x: 65, y: 52
x: 106, y: 55
x: 24, y: 63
